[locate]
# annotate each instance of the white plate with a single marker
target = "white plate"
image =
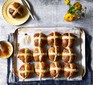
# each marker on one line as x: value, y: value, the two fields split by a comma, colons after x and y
x: 8, y: 18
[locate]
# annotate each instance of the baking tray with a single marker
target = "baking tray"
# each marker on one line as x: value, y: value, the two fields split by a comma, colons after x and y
x: 19, y: 36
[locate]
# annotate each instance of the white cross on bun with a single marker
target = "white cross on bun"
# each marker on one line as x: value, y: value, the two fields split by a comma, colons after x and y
x: 41, y: 69
x: 70, y: 70
x: 55, y: 53
x: 68, y: 40
x: 54, y: 39
x: 26, y: 71
x: 68, y: 55
x: 40, y: 54
x: 40, y: 39
x: 56, y: 69
x: 25, y: 55
x: 16, y: 10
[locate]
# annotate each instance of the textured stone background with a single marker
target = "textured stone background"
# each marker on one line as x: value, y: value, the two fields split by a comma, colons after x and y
x: 51, y: 13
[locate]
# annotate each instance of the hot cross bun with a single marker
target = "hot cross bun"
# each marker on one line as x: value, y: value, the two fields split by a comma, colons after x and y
x: 68, y: 39
x: 40, y: 39
x: 40, y: 54
x: 41, y: 69
x: 55, y: 53
x: 70, y: 70
x: 16, y: 10
x: 26, y: 71
x: 55, y: 69
x: 68, y: 55
x: 54, y: 39
x: 25, y: 55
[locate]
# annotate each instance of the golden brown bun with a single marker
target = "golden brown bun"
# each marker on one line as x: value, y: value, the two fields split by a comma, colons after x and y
x: 41, y: 69
x: 25, y: 55
x: 40, y: 54
x: 54, y: 53
x: 54, y: 39
x: 16, y: 10
x: 26, y: 70
x: 6, y: 49
x: 55, y: 69
x: 68, y: 55
x: 70, y: 70
x: 68, y: 39
x: 40, y: 39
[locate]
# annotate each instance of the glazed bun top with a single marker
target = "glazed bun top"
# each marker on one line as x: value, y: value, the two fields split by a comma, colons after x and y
x: 16, y: 10
x: 55, y: 53
x: 55, y: 69
x: 41, y: 69
x: 25, y: 55
x: 68, y: 40
x: 70, y: 70
x: 40, y: 39
x: 54, y: 39
x: 68, y: 55
x: 40, y: 54
x: 27, y: 70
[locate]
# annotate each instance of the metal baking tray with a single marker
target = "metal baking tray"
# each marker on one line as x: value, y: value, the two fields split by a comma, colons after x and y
x: 19, y: 36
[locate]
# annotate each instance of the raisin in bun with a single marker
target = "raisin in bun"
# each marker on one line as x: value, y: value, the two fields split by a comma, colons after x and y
x: 40, y: 39
x: 68, y: 55
x: 68, y: 39
x: 54, y: 53
x: 40, y: 54
x: 25, y: 55
x: 16, y: 10
x: 70, y: 70
x: 54, y: 39
x: 41, y: 69
x: 55, y: 69
x: 26, y: 71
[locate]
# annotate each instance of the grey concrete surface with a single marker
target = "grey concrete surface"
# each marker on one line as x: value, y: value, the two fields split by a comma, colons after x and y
x: 50, y: 13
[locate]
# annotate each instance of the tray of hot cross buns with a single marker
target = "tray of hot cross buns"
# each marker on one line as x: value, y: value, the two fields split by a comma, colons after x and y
x: 49, y: 53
